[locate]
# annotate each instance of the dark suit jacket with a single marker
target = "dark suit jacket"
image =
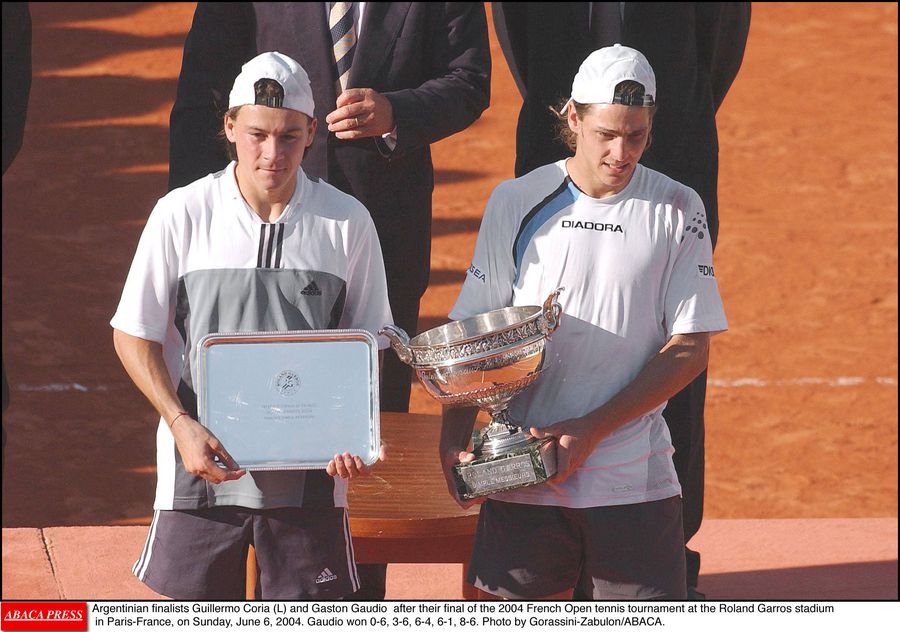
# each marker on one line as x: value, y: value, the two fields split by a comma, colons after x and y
x: 431, y: 60
x: 16, y: 81
x: 695, y: 49
x: 16, y: 88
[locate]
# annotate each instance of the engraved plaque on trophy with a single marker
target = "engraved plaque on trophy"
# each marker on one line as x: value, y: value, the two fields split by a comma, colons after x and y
x: 290, y: 400
x: 485, y: 361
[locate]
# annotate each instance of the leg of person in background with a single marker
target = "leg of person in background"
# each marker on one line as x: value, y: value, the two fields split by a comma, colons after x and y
x: 684, y: 416
x: 5, y: 406
x: 395, y: 389
x: 396, y: 377
x: 16, y: 90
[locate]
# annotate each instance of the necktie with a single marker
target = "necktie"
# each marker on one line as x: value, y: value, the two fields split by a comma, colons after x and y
x: 343, y: 37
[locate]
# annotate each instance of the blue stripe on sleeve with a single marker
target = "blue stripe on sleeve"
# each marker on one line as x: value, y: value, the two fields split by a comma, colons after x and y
x: 540, y: 215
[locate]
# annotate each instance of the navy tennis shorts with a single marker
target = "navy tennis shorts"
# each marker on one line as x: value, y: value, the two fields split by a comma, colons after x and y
x: 301, y: 553
x: 619, y: 552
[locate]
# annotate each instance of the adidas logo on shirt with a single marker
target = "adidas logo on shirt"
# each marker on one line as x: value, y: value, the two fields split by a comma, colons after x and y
x: 326, y: 576
x: 311, y: 290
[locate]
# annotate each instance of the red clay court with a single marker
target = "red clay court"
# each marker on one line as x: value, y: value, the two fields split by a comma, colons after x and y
x: 801, y: 471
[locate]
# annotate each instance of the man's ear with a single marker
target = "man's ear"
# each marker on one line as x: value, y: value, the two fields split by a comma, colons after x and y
x: 572, y: 118
x: 228, y: 126
x: 314, y: 122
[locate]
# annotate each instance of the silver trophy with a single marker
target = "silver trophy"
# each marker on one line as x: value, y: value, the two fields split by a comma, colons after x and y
x: 485, y: 361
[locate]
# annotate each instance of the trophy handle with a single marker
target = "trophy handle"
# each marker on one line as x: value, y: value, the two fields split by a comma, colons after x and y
x: 399, y: 342
x: 551, y: 313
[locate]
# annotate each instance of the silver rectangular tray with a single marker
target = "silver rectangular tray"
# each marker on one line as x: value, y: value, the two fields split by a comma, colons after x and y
x: 291, y: 400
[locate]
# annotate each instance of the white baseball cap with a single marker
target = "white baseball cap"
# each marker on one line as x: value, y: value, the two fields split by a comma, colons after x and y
x: 281, y: 69
x: 606, y: 68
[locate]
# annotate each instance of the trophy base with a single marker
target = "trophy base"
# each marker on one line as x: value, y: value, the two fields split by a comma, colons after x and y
x: 529, y: 464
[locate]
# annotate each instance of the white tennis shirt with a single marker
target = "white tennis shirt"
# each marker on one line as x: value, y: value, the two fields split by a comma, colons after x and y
x: 206, y: 263
x: 637, y: 269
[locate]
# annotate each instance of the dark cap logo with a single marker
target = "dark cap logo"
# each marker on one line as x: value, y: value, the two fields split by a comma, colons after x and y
x: 634, y: 96
x: 268, y: 92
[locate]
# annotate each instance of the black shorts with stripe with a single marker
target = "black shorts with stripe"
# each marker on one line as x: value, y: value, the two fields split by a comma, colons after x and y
x: 301, y: 553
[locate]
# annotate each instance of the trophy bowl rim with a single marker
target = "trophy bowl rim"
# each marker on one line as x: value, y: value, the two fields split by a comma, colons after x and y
x: 538, y: 311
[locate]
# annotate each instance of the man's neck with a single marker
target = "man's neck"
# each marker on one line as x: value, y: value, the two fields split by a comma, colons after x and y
x: 269, y: 205
x: 583, y: 177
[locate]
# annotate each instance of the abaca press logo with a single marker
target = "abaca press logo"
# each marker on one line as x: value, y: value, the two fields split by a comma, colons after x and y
x: 44, y: 615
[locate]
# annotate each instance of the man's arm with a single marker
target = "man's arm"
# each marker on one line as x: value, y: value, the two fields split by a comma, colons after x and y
x: 682, y: 359
x: 447, y: 102
x: 143, y: 360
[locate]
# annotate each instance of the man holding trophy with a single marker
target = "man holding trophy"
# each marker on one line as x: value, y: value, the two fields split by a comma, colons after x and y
x: 631, y: 249
x: 257, y: 247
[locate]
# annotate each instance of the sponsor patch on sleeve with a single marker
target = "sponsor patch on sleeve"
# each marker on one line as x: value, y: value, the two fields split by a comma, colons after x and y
x: 706, y: 272
x: 478, y: 274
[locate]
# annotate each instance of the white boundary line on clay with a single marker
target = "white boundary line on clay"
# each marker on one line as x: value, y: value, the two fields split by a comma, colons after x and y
x: 59, y: 388
x: 800, y: 381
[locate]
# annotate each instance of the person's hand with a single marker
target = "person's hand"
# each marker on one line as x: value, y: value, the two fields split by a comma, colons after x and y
x: 347, y: 465
x: 360, y: 113
x: 575, y: 440
x: 199, y: 448
x: 447, y: 462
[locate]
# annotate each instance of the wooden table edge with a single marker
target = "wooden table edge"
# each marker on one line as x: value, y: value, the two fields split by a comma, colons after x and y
x: 456, y: 526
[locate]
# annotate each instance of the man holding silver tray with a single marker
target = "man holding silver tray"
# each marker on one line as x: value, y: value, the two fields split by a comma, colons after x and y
x: 631, y: 248
x: 257, y: 248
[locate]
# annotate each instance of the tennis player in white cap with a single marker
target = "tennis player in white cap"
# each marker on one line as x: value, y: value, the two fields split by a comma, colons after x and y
x: 632, y: 250
x: 259, y: 246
